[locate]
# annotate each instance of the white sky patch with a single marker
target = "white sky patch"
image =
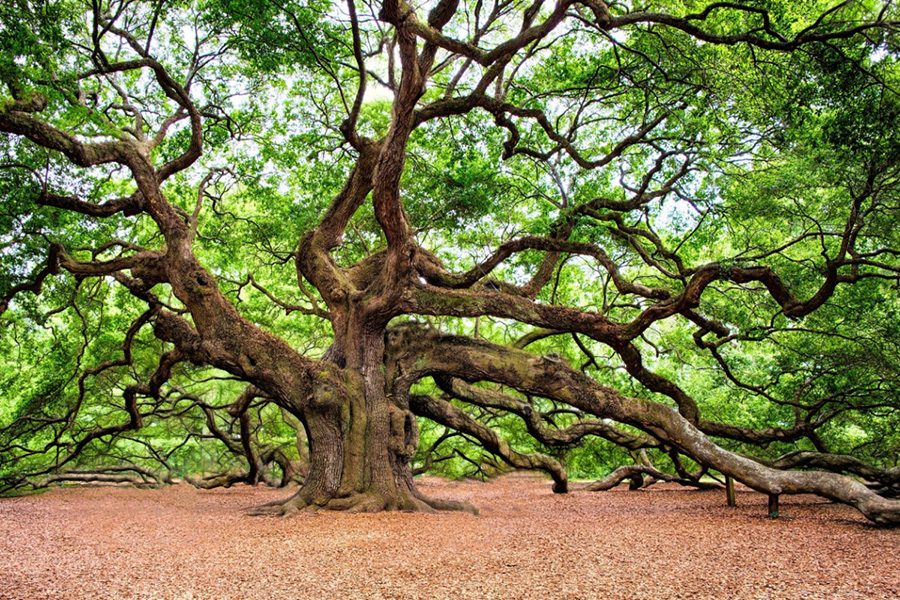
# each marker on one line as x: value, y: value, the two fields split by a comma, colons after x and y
x: 376, y: 92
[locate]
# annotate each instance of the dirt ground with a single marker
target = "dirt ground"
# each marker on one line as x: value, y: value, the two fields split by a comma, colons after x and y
x: 663, y: 543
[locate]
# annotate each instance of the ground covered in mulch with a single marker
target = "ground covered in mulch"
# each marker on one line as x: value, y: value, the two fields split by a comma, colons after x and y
x: 662, y: 543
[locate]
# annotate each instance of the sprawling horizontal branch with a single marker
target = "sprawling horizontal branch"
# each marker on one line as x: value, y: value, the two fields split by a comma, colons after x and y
x: 636, y: 473
x: 421, y: 352
x: 141, y: 477
x: 81, y: 154
x: 128, y: 206
x: 441, y: 278
x: 837, y: 463
x: 534, y: 421
x: 760, y: 437
x: 431, y: 300
x: 69, y: 452
x: 141, y: 262
x: 434, y: 300
x: 774, y: 41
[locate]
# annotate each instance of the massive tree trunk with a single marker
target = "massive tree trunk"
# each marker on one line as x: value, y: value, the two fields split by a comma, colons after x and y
x: 361, y: 438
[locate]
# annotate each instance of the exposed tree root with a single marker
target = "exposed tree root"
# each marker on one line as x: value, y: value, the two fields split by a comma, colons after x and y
x: 441, y: 504
x: 367, y: 502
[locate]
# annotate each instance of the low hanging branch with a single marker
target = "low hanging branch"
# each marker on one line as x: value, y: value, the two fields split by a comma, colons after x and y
x: 636, y: 473
x: 444, y: 413
x: 429, y: 351
x: 142, y: 477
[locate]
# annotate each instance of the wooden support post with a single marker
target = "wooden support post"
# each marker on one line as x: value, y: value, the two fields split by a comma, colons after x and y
x: 729, y: 491
x: 773, y: 506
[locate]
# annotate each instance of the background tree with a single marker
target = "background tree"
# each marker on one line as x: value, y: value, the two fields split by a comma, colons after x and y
x: 522, y: 224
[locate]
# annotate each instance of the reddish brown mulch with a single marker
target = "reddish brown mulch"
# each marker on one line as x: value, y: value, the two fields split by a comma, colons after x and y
x: 663, y: 543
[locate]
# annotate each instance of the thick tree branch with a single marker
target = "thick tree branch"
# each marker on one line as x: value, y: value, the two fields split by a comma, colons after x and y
x: 433, y: 353
x: 444, y: 413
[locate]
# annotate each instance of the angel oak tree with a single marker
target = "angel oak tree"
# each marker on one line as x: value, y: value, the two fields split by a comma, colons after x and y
x: 653, y: 189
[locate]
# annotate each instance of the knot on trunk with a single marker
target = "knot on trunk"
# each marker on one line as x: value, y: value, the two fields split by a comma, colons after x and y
x: 151, y: 270
x: 200, y: 282
x: 324, y: 395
